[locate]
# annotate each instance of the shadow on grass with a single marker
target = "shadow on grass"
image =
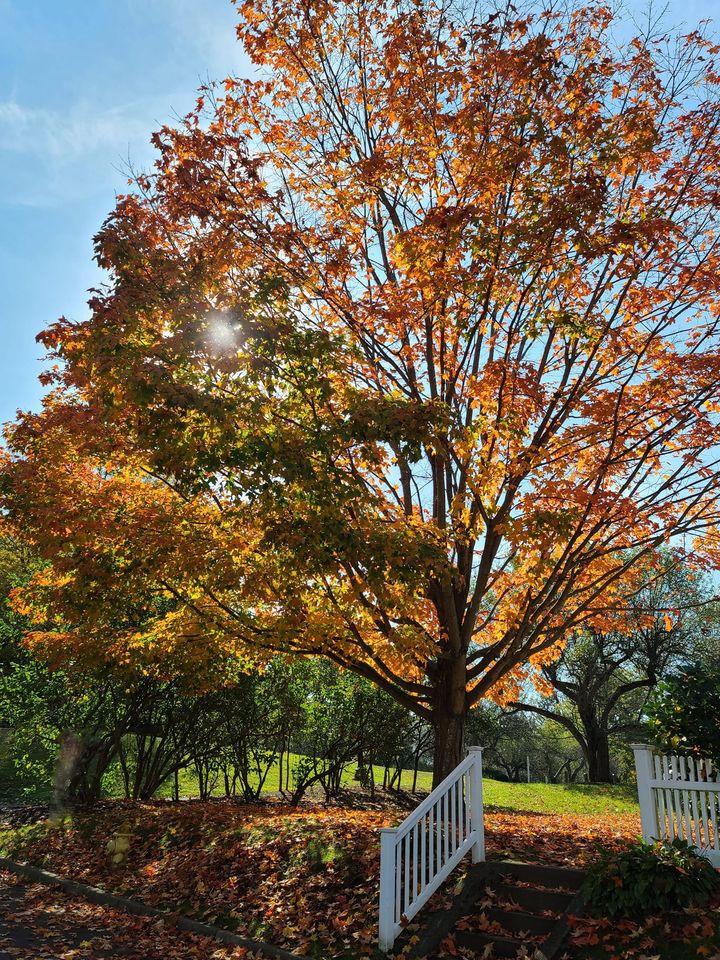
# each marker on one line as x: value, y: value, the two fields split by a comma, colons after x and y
x: 517, y: 811
x: 627, y: 790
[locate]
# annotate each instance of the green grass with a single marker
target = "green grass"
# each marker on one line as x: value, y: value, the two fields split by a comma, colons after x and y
x: 12, y: 785
x: 582, y: 799
x: 189, y: 784
x: 579, y: 799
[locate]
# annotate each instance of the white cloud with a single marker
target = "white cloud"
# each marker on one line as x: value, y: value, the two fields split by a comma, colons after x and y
x: 61, y: 150
x: 77, y: 132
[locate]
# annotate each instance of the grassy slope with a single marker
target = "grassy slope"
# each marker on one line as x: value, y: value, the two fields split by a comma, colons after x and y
x: 538, y: 797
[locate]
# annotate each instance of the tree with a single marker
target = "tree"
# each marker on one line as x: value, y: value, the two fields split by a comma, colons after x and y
x: 259, y: 715
x: 684, y: 712
x: 408, y: 355
x: 602, y: 680
x: 17, y: 565
x: 558, y: 757
x: 344, y: 717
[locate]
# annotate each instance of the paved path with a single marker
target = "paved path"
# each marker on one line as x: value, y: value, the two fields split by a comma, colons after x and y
x: 43, y: 923
x: 31, y: 928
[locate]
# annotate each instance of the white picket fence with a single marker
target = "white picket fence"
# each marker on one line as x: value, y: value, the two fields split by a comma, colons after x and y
x: 420, y: 854
x: 679, y: 797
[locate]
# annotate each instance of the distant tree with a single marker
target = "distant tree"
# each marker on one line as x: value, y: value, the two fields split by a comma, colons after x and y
x: 258, y: 717
x: 17, y: 565
x: 557, y: 757
x: 168, y: 731
x: 344, y: 716
x: 602, y: 679
x: 507, y: 740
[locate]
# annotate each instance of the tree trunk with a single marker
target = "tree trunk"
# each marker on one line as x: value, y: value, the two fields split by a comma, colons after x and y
x: 598, y: 757
x: 449, y: 710
x: 449, y: 744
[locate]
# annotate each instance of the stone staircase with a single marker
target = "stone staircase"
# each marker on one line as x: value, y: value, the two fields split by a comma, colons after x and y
x: 506, y: 909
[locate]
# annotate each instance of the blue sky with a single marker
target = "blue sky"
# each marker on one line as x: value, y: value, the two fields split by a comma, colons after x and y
x: 83, y: 83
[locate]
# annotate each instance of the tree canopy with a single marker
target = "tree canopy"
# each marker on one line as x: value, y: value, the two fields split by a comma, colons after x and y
x: 408, y: 356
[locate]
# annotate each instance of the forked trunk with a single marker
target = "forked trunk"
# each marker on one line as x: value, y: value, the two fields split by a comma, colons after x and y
x: 598, y: 759
x: 596, y: 746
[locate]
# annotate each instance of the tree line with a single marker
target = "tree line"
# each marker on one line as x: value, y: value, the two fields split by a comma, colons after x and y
x: 306, y: 723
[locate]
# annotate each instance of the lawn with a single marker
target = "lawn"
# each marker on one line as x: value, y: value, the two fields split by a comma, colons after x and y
x: 532, y: 797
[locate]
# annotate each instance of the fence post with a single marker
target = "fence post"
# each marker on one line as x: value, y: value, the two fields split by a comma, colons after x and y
x: 386, y: 913
x: 646, y: 773
x: 477, y: 821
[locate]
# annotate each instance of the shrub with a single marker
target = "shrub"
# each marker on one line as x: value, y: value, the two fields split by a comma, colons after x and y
x: 684, y: 712
x: 649, y: 878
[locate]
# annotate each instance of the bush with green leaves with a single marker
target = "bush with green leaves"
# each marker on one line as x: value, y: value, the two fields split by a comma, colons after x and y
x: 649, y: 878
x: 684, y: 713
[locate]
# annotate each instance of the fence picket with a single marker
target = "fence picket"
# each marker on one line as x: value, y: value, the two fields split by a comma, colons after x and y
x: 431, y: 845
x: 683, y: 794
x: 676, y: 800
x: 406, y: 863
x: 694, y: 794
x: 683, y: 770
x: 713, y: 799
x: 458, y: 810
x: 705, y: 815
x: 446, y: 829
x: 663, y: 813
x: 398, y: 880
x: 669, y: 801
x: 438, y: 865
x: 417, y: 856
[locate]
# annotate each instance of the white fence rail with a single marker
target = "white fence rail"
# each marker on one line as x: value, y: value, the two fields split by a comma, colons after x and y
x: 419, y: 855
x: 679, y: 797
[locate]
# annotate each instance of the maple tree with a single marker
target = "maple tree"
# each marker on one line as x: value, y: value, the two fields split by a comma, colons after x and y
x: 408, y: 357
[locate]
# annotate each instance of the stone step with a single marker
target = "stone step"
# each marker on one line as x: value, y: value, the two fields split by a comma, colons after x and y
x: 478, y: 942
x: 541, y: 875
x: 517, y: 921
x: 531, y: 900
x: 516, y: 908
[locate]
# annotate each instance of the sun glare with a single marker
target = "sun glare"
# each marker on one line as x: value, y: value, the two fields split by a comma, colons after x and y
x: 222, y: 333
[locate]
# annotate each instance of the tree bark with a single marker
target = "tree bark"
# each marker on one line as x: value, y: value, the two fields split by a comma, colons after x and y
x: 598, y: 757
x: 449, y: 743
x: 449, y: 711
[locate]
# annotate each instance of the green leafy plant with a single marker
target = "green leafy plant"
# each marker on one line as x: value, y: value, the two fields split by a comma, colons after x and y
x: 649, y: 878
x: 684, y: 712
